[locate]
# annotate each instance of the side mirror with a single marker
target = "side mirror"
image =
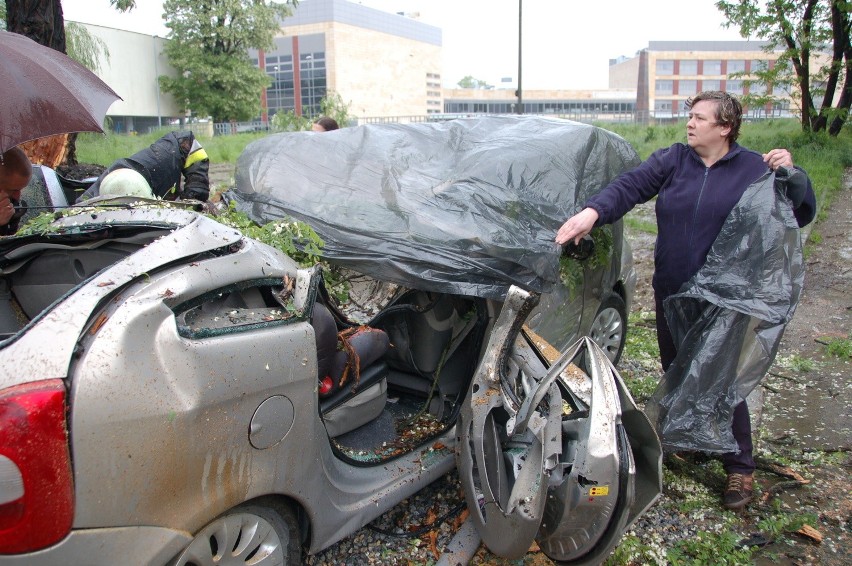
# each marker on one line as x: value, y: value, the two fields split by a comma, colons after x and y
x: 581, y: 251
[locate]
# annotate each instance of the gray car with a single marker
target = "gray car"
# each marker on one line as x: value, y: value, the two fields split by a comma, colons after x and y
x: 173, y: 392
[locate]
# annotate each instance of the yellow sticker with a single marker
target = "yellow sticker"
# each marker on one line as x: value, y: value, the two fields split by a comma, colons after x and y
x: 599, y: 491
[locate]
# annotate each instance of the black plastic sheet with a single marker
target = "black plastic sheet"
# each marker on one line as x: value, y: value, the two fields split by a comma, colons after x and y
x: 728, y: 320
x: 465, y: 206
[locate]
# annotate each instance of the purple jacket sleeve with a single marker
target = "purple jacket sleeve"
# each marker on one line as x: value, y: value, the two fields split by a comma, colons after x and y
x: 633, y: 187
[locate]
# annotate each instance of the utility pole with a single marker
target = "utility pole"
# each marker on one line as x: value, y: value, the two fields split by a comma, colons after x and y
x: 157, y: 82
x: 519, y: 108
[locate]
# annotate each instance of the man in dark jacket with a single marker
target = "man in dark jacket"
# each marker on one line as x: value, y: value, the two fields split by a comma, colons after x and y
x: 697, y: 185
x: 162, y: 164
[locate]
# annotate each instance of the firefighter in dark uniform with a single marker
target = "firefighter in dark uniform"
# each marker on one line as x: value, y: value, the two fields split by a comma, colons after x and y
x: 163, y: 163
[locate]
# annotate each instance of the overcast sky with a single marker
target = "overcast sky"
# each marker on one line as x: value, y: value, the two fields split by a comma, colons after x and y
x: 567, y: 44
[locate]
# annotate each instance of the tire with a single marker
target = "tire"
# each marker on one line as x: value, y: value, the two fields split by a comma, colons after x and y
x: 609, y: 327
x: 260, y: 533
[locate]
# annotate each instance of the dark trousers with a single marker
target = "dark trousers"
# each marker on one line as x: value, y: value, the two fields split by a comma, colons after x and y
x: 741, y: 462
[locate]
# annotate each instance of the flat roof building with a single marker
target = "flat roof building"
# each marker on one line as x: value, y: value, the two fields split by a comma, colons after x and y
x: 669, y: 72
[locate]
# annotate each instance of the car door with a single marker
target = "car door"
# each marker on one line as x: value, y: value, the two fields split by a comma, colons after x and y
x: 549, y: 453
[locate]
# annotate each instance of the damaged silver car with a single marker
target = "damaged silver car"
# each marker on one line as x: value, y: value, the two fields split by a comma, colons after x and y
x: 174, y: 392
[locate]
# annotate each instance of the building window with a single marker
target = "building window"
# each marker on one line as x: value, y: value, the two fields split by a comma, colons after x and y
x: 758, y: 89
x: 281, y: 94
x: 712, y: 67
x: 665, y: 67
x: 689, y: 67
x: 734, y: 87
x: 664, y: 105
x: 779, y: 90
x: 711, y: 84
x: 736, y: 66
x: 664, y: 87
x: 687, y: 88
x: 759, y: 65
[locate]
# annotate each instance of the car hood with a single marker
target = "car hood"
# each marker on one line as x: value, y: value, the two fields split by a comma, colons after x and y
x: 465, y: 206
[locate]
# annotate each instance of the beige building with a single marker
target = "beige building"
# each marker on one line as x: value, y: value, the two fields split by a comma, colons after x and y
x: 387, y: 67
x: 653, y: 85
x: 669, y: 72
x: 381, y: 64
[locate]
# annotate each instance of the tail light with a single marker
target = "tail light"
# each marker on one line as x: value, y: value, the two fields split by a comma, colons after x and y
x: 36, y: 491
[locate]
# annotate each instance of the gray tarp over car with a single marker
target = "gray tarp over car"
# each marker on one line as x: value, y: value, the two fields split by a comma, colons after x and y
x: 465, y: 206
x: 727, y: 321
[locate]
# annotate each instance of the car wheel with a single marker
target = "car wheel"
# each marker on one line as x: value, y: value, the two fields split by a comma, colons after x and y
x: 609, y: 328
x: 248, y: 534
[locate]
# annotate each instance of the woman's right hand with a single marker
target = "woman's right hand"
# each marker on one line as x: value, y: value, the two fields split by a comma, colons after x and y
x: 577, y: 226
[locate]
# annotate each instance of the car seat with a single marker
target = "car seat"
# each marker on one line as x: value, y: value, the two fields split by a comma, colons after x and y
x: 352, y: 374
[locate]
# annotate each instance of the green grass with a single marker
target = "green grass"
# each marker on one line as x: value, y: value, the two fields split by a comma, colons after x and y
x: 638, y: 225
x: 840, y: 347
x: 103, y: 149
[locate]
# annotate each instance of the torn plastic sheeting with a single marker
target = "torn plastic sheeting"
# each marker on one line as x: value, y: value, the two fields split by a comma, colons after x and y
x: 727, y: 321
x: 465, y: 206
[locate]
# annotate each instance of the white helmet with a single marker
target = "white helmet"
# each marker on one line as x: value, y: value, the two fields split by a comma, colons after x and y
x: 126, y: 182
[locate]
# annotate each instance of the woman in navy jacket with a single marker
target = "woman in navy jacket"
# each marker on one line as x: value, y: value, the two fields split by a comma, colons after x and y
x: 697, y: 185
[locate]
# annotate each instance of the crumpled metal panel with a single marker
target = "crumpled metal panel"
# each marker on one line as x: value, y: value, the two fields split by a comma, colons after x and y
x: 503, y: 472
x: 529, y: 471
x: 190, y: 234
x: 588, y: 511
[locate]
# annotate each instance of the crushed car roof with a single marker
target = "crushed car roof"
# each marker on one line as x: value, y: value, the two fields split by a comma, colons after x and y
x: 465, y: 206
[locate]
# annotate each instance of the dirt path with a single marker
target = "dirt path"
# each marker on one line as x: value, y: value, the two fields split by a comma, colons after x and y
x: 807, y: 415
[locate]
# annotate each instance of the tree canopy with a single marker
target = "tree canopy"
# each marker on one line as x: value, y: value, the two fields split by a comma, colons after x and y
x: 208, y: 45
x: 815, y: 37
x: 472, y: 82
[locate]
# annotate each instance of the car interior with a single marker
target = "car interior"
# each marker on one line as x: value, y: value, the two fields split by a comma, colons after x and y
x: 406, y: 387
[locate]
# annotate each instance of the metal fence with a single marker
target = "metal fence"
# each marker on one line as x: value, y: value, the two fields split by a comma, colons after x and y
x: 588, y: 117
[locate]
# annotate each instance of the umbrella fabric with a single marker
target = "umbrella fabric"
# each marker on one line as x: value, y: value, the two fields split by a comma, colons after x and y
x: 44, y: 92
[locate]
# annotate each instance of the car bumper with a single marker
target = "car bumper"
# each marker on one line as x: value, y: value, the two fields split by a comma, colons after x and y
x: 140, y: 545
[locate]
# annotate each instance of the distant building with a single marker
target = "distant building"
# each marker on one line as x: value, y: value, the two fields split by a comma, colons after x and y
x: 653, y: 85
x: 382, y: 64
x: 586, y: 105
x: 669, y: 72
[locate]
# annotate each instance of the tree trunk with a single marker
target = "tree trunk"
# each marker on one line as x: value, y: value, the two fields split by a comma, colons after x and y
x: 43, y: 22
x: 40, y: 20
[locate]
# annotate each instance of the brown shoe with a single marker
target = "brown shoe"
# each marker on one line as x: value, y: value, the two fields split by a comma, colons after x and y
x: 739, y: 491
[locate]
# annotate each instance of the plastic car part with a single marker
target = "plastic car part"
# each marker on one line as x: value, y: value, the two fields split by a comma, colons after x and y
x: 262, y: 533
x: 609, y: 328
x: 36, y: 491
